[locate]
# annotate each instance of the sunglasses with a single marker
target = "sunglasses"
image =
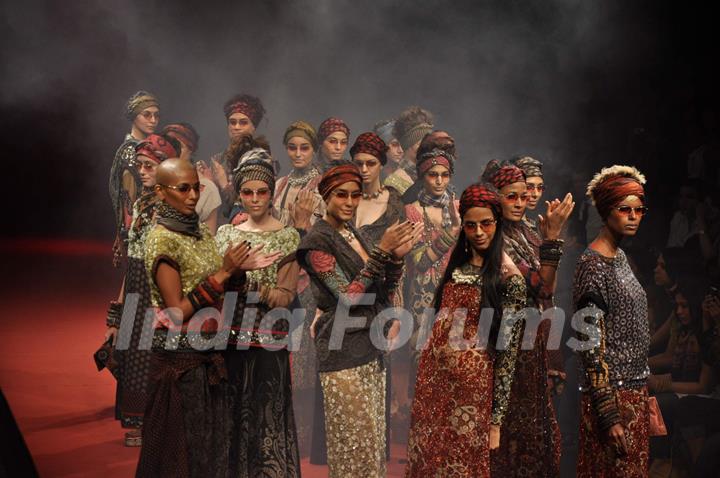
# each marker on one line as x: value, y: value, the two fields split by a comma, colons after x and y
x: 150, y: 115
x: 532, y: 187
x: 262, y: 193
x: 435, y: 174
x: 625, y: 210
x: 146, y: 165
x: 486, y: 225
x: 513, y: 197
x: 183, y: 188
x: 355, y: 195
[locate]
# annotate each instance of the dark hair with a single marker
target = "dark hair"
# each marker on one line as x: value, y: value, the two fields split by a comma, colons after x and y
x: 253, y: 102
x: 242, y: 145
x: 492, y: 280
x: 693, y: 290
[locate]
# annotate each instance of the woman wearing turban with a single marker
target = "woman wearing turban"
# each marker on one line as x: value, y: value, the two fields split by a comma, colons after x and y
x: 133, y: 363
x: 530, y: 436
x: 435, y: 210
x: 614, y: 415
x: 463, y: 388
x: 258, y: 360
x: 343, y: 267
x: 243, y: 114
x: 143, y: 112
x: 333, y: 137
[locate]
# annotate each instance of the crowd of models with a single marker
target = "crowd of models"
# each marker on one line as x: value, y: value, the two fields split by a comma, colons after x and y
x: 380, y: 216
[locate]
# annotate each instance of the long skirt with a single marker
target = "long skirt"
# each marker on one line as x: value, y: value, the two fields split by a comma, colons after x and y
x: 355, y: 421
x: 187, y: 423
x: 451, y: 415
x: 264, y: 439
x: 530, y: 436
x: 133, y: 363
x: 596, y: 459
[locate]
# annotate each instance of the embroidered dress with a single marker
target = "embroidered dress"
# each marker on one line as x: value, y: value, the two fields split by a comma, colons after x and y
x: 124, y: 186
x: 423, y: 273
x: 264, y: 440
x: 353, y: 376
x: 134, y: 363
x: 614, y: 371
x: 461, y: 390
x: 187, y: 423
x: 530, y: 436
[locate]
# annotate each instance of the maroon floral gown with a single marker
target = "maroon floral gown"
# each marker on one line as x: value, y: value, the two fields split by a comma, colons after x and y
x: 461, y: 390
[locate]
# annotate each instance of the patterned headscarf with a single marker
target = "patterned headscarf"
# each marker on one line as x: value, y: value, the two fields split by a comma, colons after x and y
x: 610, y: 186
x: 156, y: 148
x: 479, y: 195
x: 248, y: 105
x: 435, y: 157
x: 530, y: 166
x: 370, y: 143
x: 501, y: 176
x: 344, y: 172
x: 254, y: 169
x: 331, y: 125
x: 303, y: 130
x: 184, y: 133
x: 138, y: 102
x: 384, y: 129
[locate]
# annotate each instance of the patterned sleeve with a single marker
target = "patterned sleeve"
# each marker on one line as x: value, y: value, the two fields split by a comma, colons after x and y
x: 535, y: 283
x: 588, y: 297
x: 328, y: 271
x: 393, y: 278
x: 420, y: 256
x: 513, y: 299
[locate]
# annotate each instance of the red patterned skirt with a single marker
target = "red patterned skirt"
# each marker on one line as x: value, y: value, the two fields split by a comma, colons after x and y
x: 452, y: 406
x: 596, y: 459
x: 530, y: 436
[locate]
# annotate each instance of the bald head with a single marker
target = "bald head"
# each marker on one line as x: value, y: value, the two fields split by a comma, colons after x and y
x: 174, y: 171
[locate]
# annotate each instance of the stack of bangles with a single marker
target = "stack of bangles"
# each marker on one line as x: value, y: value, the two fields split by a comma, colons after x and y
x: 208, y: 293
x: 603, y: 401
x: 114, y: 314
x: 442, y: 244
x: 551, y: 252
x: 375, y: 265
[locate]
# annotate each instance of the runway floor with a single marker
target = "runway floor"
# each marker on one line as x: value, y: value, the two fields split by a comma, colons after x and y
x: 54, y: 299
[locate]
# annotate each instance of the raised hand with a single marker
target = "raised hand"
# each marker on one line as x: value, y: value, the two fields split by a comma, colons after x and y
x: 557, y: 214
x: 396, y: 235
x: 417, y: 232
x: 303, y: 208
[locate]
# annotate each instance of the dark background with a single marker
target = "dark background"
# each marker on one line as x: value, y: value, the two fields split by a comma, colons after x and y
x: 578, y: 84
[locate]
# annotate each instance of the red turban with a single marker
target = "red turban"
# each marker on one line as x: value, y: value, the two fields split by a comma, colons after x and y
x: 370, y: 143
x: 336, y: 176
x: 611, y: 191
x: 434, y: 158
x: 248, y: 105
x: 479, y: 195
x: 331, y: 125
x: 156, y: 148
x: 184, y: 134
x: 501, y: 176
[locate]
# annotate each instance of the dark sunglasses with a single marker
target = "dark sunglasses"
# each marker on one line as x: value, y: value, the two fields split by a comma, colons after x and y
x: 639, y: 211
x: 435, y: 174
x: 183, y: 188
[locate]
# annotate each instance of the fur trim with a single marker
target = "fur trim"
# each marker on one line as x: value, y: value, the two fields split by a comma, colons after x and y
x: 612, y: 171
